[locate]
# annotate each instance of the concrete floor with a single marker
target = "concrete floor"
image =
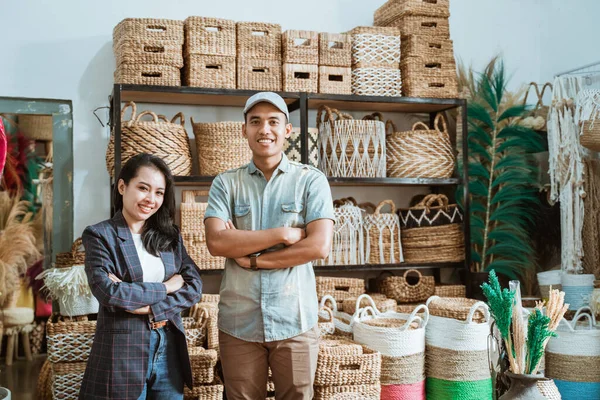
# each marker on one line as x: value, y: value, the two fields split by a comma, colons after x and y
x: 21, y: 377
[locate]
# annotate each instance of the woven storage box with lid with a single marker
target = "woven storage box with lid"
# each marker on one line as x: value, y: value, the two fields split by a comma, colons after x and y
x: 258, y: 40
x: 66, y: 380
x: 354, y: 392
x: 425, y: 75
x: 349, y: 147
x: 402, y: 290
x: 220, y: 146
x: 210, y: 36
x: 433, y: 210
x: 36, y: 127
x: 167, y: 140
x: 339, y: 369
x: 203, y: 364
x: 444, y: 243
x: 300, y: 47
x: 292, y: 147
x: 455, y: 308
x: 69, y: 340
x: 149, y: 29
x: 300, y: 78
x: 335, y: 50
x: 339, y: 288
x: 259, y: 74
x: 393, y: 9
x: 335, y: 80
x: 212, y: 391
x: 153, y: 52
x: 377, y: 82
x: 148, y: 74
x: 422, y: 25
x: 375, y: 47
x: 210, y: 71
x: 428, y: 47
x: 382, y: 303
x: 420, y: 152
x: 450, y: 291
x: 382, y: 233
x: 193, y: 232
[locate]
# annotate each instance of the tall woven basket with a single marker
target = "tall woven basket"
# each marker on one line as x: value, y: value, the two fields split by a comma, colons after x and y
x: 421, y: 152
x: 161, y: 137
x: 193, y: 232
x: 382, y: 233
x: 221, y: 146
x: 349, y: 147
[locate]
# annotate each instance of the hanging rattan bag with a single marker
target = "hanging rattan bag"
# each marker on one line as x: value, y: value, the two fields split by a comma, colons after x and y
x: 421, y: 152
x: 349, y: 147
x: 433, y: 210
x: 167, y: 140
x: 588, y: 117
x: 382, y: 231
x: 401, y: 290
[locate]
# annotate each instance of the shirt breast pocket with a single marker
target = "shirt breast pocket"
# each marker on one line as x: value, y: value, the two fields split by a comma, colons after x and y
x: 292, y: 215
x: 243, y: 217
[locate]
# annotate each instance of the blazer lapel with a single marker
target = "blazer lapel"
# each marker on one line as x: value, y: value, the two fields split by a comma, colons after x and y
x: 128, y: 248
x: 168, y: 259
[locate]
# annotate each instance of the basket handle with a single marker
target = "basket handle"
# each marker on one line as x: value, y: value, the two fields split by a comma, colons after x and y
x: 367, y: 206
x: 590, y: 315
x: 413, y: 316
x: 329, y: 113
x: 76, y: 246
x: 436, y: 123
x: 144, y: 113
x: 181, y: 119
x: 376, y: 116
x: 420, y: 124
x: 162, y: 118
x: 383, y: 204
x: 327, y: 310
x: 358, y: 316
x: 539, y: 93
x: 189, y: 196
x: 133, y: 111
x: 475, y: 307
x: 430, y: 299
x: 431, y: 199
x: 344, y: 200
x: 417, y: 272
x: 330, y: 298
x: 372, y: 306
x: 390, y: 124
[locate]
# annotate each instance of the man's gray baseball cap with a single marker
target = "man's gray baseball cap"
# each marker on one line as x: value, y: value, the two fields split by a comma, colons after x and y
x: 267, y: 97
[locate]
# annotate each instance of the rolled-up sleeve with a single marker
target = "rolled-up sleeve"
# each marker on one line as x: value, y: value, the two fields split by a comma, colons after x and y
x: 218, y: 201
x: 319, y: 204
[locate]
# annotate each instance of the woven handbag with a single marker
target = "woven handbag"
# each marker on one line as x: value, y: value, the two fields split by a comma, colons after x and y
x: 401, y: 290
x: 420, y: 153
x: 382, y: 233
x: 433, y: 210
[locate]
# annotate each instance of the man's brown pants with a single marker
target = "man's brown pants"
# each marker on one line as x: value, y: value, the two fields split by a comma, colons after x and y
x: 293, y: 364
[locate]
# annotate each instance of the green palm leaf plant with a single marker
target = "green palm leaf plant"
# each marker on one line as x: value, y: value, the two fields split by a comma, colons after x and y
x: 502, y: 178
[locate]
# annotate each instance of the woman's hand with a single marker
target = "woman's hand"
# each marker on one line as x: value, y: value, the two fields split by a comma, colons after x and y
x: 174, y: 283
x: 141, y: 311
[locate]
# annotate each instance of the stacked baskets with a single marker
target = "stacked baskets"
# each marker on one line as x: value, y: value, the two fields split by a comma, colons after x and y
x: 376, y: 61
x: 210, y: 52
x: 428, y: 66
x: 148, y: 51
x: 259, y: 56
x: 300, y: 61
x: 335, y: 61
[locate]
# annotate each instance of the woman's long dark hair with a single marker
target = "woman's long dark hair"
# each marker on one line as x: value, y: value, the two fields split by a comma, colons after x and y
x: 159, y: 233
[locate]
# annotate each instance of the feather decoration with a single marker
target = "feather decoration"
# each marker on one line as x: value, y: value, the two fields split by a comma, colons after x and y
x: 66, y: 282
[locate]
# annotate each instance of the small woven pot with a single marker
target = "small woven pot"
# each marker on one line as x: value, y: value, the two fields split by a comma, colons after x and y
x: 399, y: 289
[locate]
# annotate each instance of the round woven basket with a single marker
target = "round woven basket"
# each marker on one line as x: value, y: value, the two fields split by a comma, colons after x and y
x: 383, y: 235
x: 433, y: 210
x: 444, y: 243
x: 454, y: 307
x: 167, y: 140
x: 74, y: 257
x: 590, y: 135
x: 421, y: 152
x: 398, y: 287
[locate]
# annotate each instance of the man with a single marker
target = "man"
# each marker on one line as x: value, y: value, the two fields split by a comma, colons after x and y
x: 270, y: 219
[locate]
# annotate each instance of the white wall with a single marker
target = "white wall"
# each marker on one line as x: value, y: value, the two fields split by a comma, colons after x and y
x: 63, y: 50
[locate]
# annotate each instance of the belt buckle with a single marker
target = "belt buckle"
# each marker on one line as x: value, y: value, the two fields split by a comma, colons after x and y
x: 158, y: 324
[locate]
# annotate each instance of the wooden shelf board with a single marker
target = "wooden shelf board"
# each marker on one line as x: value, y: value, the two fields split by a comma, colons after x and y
x: 207, y: 180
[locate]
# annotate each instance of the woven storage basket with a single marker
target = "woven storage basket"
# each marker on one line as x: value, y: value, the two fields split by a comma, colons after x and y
x: 203, y: 364
x: 164, y: 139
x: 335, y: 80
x: 66, y: 380
x: 421, y: 72
x: 148, y: 74
x: 349, y: 147
x: 258, y: 40
x: 300, y: 47
x: 375, y: 47
x: 210, y: 71
x: 210, y: 36
x: 348, y: 369
x: 339, y: 288
x: 433, y: 210
x: 382, y: 303
x: 399, y: 289
x: 382, y: 232
x: 206, y: 314
x: 36, y: 127
x: 69, y: 340
x: 195, y: 331
x: 393, y: 9
x: 422, y: 25
x: 355, y: 392
x: 193, y: 231
x: 335, y: 50
x: 300, y: 78
x: 547, y: 279
x: 259, y: 74
x: 149, y: 29
x: 44, y: 382
x: 326, y: 324
x: 428, y: 47
x: 332, y: 345
x: 210, y: 298
x: 213, y: 391
x: 420, y: 153
x: 221, y: 146
x: 455, y: 308
x: 444, y: 243
x: 292, y: 147
x: 341, y: 320
x: 154, y: 52
x: 459, y: 291
x: 377, y: 82
x: 73, y: 257
x: 590, y: 135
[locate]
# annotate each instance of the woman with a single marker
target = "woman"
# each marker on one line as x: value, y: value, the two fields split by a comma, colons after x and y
x: 141, y: 274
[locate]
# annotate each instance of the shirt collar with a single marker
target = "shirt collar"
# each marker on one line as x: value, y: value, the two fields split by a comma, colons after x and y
x: 284, y: 165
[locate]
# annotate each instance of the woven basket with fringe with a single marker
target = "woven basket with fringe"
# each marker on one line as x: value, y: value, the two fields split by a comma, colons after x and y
x: 153, y: 52
x: 44, y: 382
x: 66, y: 379
x: 167, y: 140
x: 203, y: 364
x: 141, y: 29
x: 451, y: 291
x: 206, y: 314
x: 73, y: 257
x: 339, y: 288
x: 382, y: 231
x: 337, y: 368
x: 193, y: 231
x: 300, y: 47
x: 403, y: 291
x: 148, y: 74
x: 220, y: 146
x: 335, y: 50
x: 355, y: 392
x: 377, y: 82
x: 382, y: 303
x: 427, y: 47
x: 300, y: 78
x: 69, y: 339
x: 420, y: 152
x: 454, y: 307
x: 210, y: 71
x: 212, y: 391
x: 258, y: 40
x: 422, y: 25
x: 292, y: 147
x: 436, y: 244
x: 422, y: 76
x: 335, y: 80
x: 210, y: 36
x: 375, y: 47
x: 259, y: 74
x: 36, y: 127
x: 326, y: 323
x: 393, y: 9
x: 349, y: 147
x: 433, y: 210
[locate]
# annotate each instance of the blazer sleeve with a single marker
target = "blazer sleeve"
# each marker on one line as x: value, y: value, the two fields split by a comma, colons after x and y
x: 125, y: 295
x: 189, y: 294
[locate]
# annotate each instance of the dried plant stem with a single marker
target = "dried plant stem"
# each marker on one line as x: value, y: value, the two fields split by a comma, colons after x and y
x: 519, y: 335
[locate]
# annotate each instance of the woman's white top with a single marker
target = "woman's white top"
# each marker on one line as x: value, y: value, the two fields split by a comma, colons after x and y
x: 153, y: 267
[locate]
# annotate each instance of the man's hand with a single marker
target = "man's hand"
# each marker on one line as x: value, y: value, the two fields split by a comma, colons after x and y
x: 141, y: 311
x: 174, y: 283
x: 243, y: 262
x: 293, y: 235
